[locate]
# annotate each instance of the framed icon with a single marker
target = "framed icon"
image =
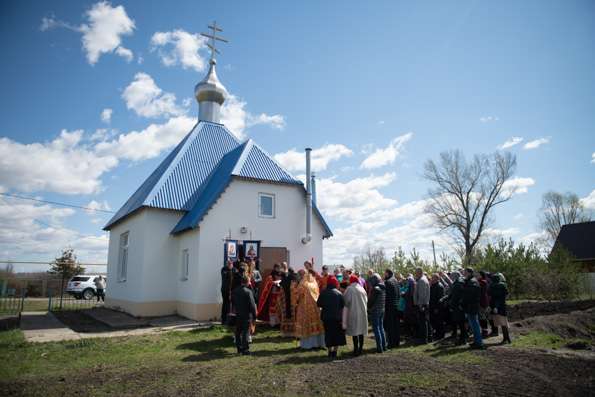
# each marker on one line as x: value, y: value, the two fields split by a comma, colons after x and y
x: 231, y: 250
x: 251, y: 249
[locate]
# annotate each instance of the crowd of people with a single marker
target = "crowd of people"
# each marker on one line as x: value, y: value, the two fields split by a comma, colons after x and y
x: 323, y: 309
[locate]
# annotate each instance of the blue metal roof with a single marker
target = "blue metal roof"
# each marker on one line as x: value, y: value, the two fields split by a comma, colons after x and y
x: 193, y: 176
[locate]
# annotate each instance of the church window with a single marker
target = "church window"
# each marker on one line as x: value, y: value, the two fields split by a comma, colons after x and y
x: 123, y: 257
x: 185, y: 263
x: 266, y: 205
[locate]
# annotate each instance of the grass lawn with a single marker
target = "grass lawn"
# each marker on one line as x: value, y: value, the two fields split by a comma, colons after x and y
x: 203, y: 362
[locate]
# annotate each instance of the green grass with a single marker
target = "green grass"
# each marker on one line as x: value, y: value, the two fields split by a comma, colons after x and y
x: 543, y: 340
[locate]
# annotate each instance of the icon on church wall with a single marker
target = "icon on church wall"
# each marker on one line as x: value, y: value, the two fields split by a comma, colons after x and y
x: 251, y: 249
x: 231, y: 250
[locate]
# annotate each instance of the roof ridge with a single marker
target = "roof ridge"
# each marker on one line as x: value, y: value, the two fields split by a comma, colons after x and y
x: 242, y: 159
x: 276, y: 162
x: 172, y: 165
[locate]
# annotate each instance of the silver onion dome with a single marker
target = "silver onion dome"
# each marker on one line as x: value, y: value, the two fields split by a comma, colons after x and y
x: 210, y: 94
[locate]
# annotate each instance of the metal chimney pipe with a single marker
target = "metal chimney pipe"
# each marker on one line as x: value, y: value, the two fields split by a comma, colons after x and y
x: 308, y: 237
x: 313, y: 189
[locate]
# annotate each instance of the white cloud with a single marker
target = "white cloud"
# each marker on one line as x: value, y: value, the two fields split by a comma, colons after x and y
x: 179, y: 48
x: 321, y: 157
x: 387, y: 155
x: 146, y: 99
x: 536, y: 143
x: 589, y: 201
x: 149, y: 142
x: 236, y: 118
x: 37, y: 232
x: 517, y: 185
x: 103, y: 32
x: 125, y: 53
x: 356, y: 200
x: 276, y: 121
x: 488, y: 119
x: 63, y: 165
x: 593, y: 158
x: 106, y: 115
x: 511, y: 142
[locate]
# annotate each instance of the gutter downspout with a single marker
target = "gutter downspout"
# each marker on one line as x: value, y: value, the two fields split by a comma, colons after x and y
x: 308, y: 236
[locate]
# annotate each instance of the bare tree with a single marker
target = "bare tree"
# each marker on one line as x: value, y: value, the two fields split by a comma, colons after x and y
x: 463, y: 193
x: 559, y: 209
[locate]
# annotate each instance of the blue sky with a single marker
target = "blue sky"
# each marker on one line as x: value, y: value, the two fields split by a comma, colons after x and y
x: 376, y: 88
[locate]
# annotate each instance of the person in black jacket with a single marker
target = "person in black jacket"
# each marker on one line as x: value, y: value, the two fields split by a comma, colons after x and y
x: 227, y: 275
x: 331, y: 302
x: 436, y: 313
x: 470, y: 302
x: 243, y: 303
x: 391, y: 318
x: 455, y: 304
x: 497, y: 293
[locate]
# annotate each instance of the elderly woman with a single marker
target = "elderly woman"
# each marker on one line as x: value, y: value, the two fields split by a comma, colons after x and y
x: 355, y: 317
x: 331, y: 302
x: 376, y: 305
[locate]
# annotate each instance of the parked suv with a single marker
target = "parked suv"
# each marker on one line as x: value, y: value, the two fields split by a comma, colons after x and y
x: 82, y: 287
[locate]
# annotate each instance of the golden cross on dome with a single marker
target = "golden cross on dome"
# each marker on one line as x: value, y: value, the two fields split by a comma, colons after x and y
x: 214, y: 38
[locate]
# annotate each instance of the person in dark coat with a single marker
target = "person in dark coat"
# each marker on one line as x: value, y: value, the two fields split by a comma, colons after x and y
x: 376, y: 307
x: 391, y: 315
x: 484, y: 307
x: 470, y: 301
x: 242, y: 299
x: 436, y: 312
x: 227, y: 276
x: 498, y: 292
x: 331, y: 302
x: 457, y: 314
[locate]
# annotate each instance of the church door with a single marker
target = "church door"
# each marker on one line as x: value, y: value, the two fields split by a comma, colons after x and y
x: 271, y: 255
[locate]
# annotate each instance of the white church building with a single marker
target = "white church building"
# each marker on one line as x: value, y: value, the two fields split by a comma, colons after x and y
x: 169, y: 241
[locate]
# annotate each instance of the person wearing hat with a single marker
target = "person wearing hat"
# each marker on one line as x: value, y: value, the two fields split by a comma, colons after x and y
x: 470, y: 301
x: 498, y: 292
x: 331, y: 302
x: 355, y: 315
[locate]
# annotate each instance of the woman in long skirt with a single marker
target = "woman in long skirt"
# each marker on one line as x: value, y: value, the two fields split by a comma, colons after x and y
x: 331, y: 302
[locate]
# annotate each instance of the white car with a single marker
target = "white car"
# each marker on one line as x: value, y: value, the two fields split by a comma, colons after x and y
x: 82, y: 287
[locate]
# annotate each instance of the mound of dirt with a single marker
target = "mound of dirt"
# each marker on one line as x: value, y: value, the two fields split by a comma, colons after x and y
x: 576, y: 324
x: 525, y: 310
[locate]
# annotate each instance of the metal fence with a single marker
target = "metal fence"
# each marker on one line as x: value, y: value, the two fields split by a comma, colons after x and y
x: 66, y: 302
x: 12, y: 303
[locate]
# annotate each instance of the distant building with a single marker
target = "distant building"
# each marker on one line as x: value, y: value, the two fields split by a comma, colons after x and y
x: 579, y: 240
x: 211, y: 197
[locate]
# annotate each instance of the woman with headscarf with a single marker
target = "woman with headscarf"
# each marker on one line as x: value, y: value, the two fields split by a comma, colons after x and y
x: 331, y: 303
x: 498, y: 292
x: 376, y: 306
x: 308, y: 326
x: 355, y: 318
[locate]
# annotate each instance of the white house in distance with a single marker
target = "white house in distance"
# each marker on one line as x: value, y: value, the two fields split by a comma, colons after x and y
x: 168, y: 241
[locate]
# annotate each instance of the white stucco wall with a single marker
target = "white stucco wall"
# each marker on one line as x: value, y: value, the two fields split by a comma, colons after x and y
x: 130, y: 289
x: 154, y: 256
x: 237, y: 207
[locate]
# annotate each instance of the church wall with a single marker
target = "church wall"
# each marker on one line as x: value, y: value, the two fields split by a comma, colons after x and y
x: 161, y: 268
x: 237, y: 207
x: 132, y: 287
x: 186, y: 289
